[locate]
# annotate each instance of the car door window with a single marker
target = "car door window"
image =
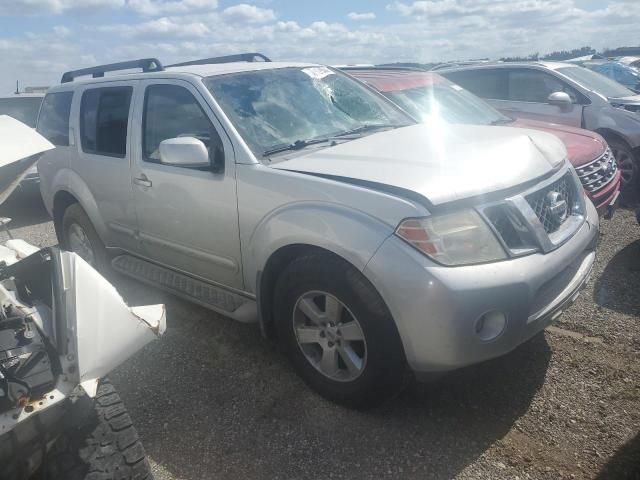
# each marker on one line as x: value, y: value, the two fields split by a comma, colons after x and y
x: 171, y: 111
x: 104, y: 117
x: 526, y: 85
x: 485, y: 83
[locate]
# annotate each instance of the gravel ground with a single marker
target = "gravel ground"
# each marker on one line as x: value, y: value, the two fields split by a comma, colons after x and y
x: 211, y: 399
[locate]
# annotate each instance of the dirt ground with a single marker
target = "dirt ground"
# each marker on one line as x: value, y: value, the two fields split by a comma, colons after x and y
x: 212, y: 399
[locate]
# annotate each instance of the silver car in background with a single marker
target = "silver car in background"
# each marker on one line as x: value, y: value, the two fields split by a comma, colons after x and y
x: 566, y: 94
x: 294, y: 196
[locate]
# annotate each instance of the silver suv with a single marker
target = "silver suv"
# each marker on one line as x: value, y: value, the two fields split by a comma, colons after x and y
x: 567, y: 94
x: 292, y: 195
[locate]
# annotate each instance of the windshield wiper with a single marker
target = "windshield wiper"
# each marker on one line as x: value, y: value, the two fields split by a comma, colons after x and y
x: 502, y: 121
x: 365, y: 128
x: 297, y: 145
x: 300, y: 144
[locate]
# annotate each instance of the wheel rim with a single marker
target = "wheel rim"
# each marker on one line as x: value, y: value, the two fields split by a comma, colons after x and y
x: 80, y: 244
x: 625, y: 163
x: 329, y: 336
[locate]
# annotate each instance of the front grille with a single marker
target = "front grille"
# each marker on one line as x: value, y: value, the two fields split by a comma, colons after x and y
x: 598, y: 173
x: 507, y: 227
x: 541, y: 203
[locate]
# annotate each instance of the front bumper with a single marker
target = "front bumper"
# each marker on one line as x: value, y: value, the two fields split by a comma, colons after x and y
x: 606, y: 199
x: 436, y: 308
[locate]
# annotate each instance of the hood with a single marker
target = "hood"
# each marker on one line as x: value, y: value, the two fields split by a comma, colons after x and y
x: 441, y: 162
x: 582, y: 145
x: 631, y: 100
x: 20, y: 148
x: 632, y: 103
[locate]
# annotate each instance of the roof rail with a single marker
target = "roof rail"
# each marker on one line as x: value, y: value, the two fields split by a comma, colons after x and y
x: 146, y: 64
x: 241, y: 57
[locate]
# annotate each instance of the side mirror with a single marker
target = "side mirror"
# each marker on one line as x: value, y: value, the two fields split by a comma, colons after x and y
x: 560, y: 99
x: 184, y: 152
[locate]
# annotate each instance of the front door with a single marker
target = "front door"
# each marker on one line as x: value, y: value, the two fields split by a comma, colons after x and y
x: 187, y: 216
x: 528, y: 93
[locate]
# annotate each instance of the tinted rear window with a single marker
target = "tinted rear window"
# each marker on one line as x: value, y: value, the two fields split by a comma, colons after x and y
x: 104, y: 117
x: 24, y: 109
x: 53, y: 122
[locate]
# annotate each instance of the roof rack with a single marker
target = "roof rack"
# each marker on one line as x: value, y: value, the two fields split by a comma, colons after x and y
x: 241, y: 57
x: 146, y: 64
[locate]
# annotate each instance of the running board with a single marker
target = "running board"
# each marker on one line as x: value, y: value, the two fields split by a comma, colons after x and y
x: 210, y: 296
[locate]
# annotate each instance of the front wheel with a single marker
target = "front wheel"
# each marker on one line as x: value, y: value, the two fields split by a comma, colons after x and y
x: 337, y: 331
x: 104, y: 446
x: 629, y: 170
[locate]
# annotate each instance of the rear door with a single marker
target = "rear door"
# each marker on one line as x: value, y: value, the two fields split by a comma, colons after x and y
x: 187, y: 216
x: 104, y: 155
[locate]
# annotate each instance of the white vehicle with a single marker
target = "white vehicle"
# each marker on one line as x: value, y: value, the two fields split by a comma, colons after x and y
x: 59, y: 415
x: 24, y: 107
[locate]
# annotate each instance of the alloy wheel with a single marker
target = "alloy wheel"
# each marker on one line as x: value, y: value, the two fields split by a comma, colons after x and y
x: 329, y: 336
x: 626, y: 164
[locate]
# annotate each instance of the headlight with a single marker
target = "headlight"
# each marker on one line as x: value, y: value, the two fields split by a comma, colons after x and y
x: 459, y: 238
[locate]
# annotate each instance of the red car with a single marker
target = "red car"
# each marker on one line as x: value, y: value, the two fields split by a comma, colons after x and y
x: 425, y: 95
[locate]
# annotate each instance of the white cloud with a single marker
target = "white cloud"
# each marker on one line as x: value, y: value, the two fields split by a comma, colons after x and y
x: 168, y: 7
x: 436, y: 30
x: 40, y: 7
x: 249, y: 14
x: 361, y: 16
x: 165, y: 28
x: 61, y: 31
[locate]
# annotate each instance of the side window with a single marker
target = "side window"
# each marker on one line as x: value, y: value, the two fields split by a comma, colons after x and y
x: 104, y: 116
x: 485, y: 83
x: 171, y: 111
x: 53, y: 121
x: 527, y: 85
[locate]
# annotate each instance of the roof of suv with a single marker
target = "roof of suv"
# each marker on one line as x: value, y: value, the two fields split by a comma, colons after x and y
x: 393, y: 79
x: 235, y: 67
x: 195, y: 70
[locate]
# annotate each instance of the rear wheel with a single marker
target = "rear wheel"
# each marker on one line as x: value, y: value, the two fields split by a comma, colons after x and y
x: 338, y: 333
x: 80, y: 237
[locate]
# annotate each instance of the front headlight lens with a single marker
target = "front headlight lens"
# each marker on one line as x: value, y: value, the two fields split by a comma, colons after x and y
x: 459, y: 238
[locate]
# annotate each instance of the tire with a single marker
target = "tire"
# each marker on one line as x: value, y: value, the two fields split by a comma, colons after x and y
x: 105, y: 447
x: 75, y: 218
x: 383, y: 370
x: 629, y: 167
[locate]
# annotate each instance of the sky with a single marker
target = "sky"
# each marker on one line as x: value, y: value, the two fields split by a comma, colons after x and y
x: 40, y: 39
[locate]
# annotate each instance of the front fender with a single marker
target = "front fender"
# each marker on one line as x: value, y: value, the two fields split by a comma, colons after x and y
x: 349, y: 233
x: 621, y: 123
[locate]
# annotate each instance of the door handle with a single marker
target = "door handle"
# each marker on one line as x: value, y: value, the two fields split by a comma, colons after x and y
x: 143, y: 181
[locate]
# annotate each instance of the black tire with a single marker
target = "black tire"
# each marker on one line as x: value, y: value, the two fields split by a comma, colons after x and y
x: 385, y: 371
x: 105, y: 447
x: 75, y: 214
x: 629, y: 166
